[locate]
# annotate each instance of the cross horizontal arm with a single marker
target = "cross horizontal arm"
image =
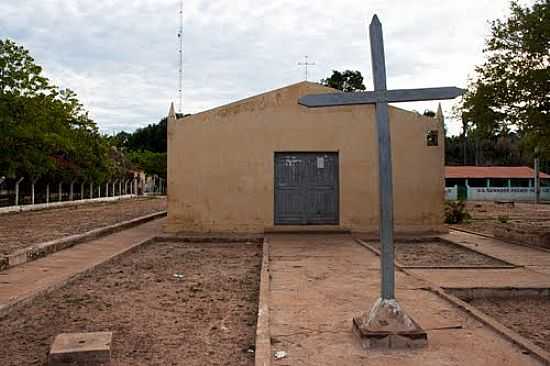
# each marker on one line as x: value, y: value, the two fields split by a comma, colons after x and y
x: 389, y: 96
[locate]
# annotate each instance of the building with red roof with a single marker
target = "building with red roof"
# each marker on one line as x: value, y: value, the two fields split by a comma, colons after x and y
x: 494, y: 182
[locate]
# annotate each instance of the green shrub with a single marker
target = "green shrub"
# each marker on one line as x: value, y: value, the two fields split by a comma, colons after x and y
x: 503, y: 219
x: 455, y: 212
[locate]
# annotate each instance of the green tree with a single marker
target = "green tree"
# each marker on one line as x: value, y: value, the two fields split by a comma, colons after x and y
x: 19, y: 74
x: 23, y: 90
x: 511, y: 90
x: 45, y: 131
x: 152, y: 163
x: 348, y: 81
x: 151, y: 138
x: 146, y: 147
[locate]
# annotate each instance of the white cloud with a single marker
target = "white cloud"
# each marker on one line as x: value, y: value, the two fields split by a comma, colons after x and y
x: 121, y: 56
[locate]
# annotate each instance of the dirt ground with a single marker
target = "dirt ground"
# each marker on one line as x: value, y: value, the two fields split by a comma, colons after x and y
x: 527, y: 316
x: 438, y: 253
x: 20, y: 230
x: 486, y: 215
x: 166, y: 304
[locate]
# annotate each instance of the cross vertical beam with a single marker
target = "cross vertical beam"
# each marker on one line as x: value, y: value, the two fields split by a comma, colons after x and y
x: 386, y: 324
x: 385, y: 184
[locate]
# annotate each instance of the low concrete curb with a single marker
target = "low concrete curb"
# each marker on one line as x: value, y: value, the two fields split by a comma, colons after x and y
x: 503, y: 331
x: 6, y: 308
x: 211, y: 238
x: 40, y: 250
x: 467, y: 294
x: 364, y: 244
x: 489, y: 236
x: 472, y: 232
x: 505, y: 264
x: 263, y: 336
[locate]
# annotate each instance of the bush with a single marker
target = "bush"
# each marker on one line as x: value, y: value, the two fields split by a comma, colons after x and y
x: 503, y: 219
x: 455, y: 212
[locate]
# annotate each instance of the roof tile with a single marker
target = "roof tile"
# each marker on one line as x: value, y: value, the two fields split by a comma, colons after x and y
x: 491, y: 172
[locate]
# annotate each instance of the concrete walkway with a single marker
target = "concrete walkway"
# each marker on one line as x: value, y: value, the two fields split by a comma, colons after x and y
x: 22, y: 283
x: 532, y: 258
x: 533, y: 273
x: 318, y: 283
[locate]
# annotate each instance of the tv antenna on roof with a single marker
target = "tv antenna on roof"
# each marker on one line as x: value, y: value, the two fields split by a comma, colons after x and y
x: 180, y: 70
x: 306, y: 64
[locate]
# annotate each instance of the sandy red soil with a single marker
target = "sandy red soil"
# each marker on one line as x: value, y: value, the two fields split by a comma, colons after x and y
x: 206, y: 315
x: 438, y: 253
x: 527, y: 316
x: 19, y: 230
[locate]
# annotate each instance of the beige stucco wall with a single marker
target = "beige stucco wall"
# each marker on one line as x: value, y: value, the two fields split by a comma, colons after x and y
x: 221, y: 163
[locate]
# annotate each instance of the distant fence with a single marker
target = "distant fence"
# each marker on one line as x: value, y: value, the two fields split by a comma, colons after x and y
x: 498, y: 193
x: 154, y: 185
x: 19, y: 192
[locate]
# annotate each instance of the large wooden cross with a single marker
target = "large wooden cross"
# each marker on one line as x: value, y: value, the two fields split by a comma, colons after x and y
x: 380, y: 97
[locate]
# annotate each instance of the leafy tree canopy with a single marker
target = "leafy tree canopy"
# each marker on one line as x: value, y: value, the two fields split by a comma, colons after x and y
x: 45, y: 131
x: 146, y: 147
x: 153, y: 163
x: 151, y: 137
x: 511, y: 90
x: 348, y: 81
x: 19, y: 74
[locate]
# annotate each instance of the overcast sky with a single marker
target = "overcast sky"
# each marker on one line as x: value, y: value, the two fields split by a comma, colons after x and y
x: 121, y: 57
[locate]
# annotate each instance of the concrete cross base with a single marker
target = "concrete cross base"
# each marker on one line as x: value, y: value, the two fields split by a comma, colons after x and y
x: 90, y: 349
x: 387, y: 326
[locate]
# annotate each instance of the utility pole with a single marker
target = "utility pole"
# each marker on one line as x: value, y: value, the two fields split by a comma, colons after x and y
x: 306, y: 63
x: 537, y: 176
x: 180, y: 71
x: 464, y: 133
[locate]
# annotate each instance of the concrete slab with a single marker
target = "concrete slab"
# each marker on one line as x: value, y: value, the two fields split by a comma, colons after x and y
x: 541, y: 269
x: 41, y: 250
x: 513, y: 253
x: 317, y: 246
x: 312, y: 320
x: 262, y: 356
x: 89, y: 349
x: 466, y: 278
x: 387, y: 325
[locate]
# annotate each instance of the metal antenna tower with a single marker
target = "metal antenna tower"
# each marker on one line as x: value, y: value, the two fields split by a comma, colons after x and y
x: 180, y: 71
x: 306, y: 64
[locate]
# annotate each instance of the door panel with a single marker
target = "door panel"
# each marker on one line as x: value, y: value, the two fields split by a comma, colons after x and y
x: 306, y: 188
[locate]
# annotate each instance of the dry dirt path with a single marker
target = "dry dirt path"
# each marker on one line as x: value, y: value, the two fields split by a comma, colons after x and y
x: 320, y: 282
x: 20, y: 230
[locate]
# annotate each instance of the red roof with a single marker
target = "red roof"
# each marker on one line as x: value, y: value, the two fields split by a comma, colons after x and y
x: 491, y: 172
